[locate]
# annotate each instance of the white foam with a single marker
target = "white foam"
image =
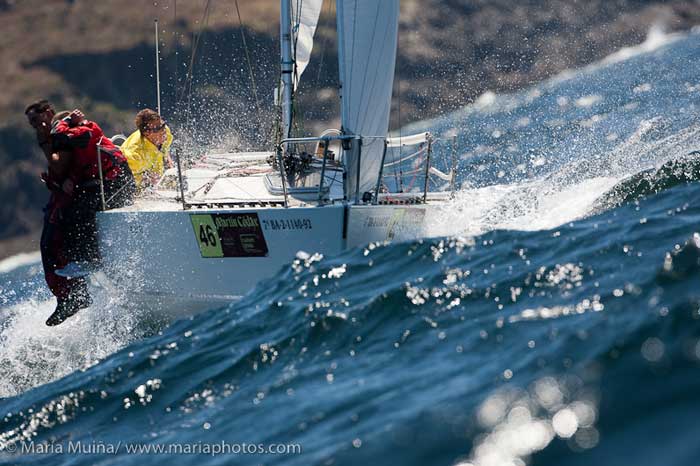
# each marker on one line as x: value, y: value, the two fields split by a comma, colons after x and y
x: 570, y: 193
x: 487, y: 99
x: 529, y: 206
x: 656, y: 38
x: 19, y: 260
x: 491, y: 102
x: 32, y: 353
x: 588, y: 100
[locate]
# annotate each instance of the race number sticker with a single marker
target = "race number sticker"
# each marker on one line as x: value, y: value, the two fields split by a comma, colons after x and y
x: 229, y: 235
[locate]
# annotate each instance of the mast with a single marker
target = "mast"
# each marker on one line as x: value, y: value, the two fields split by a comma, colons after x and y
x: 287, y: 66
x: 340, y: 22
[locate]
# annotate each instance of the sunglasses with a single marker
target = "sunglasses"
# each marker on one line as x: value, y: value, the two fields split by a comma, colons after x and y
x: 154, y: 129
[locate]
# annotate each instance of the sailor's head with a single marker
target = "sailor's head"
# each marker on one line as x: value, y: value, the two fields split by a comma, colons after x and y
x: 151, y: 125
x: 39, y: 114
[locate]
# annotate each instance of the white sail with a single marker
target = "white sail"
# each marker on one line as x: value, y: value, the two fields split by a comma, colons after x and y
x: 367, y: 38
x: 305, y: 14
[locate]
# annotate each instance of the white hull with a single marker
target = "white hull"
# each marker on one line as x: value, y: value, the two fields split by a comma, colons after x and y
x: 158, y: 259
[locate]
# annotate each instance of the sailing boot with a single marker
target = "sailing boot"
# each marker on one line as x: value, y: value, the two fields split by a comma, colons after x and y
x: 68, y: 307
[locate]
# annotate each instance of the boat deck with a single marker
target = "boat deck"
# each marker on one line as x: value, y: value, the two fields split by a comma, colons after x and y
x: 247, y: 180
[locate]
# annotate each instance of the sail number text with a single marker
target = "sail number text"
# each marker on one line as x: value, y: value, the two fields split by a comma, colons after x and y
x: 206, y: 235
x: 287, y: 224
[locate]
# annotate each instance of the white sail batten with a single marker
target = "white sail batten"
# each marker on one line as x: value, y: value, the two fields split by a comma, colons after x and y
x: 367, y: 40
x: 305, y: 14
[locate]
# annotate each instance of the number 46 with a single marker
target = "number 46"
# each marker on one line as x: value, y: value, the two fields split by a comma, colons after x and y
x: 206, y: 235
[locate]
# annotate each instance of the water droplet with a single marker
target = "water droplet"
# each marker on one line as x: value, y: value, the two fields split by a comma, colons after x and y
x: 653, y: 349
x: 565, y: 423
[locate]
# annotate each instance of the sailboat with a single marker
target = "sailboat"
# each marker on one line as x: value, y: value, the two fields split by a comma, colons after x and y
x: 232, y: 219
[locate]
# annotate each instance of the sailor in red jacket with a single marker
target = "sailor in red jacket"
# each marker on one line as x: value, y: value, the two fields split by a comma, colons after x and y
x: 70, y: 293
x: 71, y: 146
x: 83, y: 137
x: 85, y: 141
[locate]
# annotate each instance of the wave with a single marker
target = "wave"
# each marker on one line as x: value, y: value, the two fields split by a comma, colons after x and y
x: 437, y: 346
x: 20, y: 260
x: 490, y: 103
x: 656, y: 38
x: 32, y: 354
x: 675, y: 172
x: 557, y: 325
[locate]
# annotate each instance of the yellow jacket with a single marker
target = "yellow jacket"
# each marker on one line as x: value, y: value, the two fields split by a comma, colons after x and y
x: 143, y: 156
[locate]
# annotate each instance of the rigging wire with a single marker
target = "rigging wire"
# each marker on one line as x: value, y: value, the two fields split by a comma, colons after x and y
x: 177, y: 51
x: 195, y: 44
x: 250, y: 64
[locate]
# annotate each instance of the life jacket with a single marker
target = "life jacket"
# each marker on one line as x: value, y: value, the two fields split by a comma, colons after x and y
x: 83, y: 141
x: 143, y: 156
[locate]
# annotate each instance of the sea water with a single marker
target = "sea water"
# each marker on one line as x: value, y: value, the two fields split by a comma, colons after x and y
x: 559, y: 324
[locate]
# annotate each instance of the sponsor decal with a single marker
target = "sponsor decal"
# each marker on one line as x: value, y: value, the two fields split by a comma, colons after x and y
x: 405, y: 221
x: 377, y: 222
x: 229, y: 235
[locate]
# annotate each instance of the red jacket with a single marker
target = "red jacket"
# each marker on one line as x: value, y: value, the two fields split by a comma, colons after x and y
x: 83, y: 141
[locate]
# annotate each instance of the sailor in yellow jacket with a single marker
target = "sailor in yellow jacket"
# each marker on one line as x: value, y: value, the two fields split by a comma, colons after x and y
x: 147, y: 149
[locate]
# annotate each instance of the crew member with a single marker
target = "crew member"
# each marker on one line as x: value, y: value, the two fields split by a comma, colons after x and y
x: 71, y: 294
x: 148, y: 148
x: 84, y: 139
x: 72, y: 145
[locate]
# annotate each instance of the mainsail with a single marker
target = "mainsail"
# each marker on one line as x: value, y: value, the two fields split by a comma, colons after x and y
x: 305, y: 14
x: 367, y: 39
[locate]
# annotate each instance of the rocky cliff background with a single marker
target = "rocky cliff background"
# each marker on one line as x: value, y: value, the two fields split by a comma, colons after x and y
x: 99, y: 56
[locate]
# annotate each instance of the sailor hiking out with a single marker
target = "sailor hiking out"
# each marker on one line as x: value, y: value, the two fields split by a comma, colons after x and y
x: 87, y: 172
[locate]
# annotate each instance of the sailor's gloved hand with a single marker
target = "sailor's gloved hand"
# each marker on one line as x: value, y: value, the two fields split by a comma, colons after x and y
x: 76, y: 117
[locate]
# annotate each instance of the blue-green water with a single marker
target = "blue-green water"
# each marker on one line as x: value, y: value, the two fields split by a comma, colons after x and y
x: 560, y: 325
